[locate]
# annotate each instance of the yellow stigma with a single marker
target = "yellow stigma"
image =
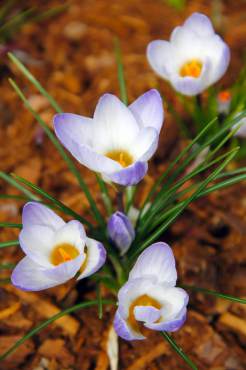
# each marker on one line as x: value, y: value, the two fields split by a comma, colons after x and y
x: 63, y: 253
x: 192, y: 68
x: 143, y: 300
x: 121, y: 156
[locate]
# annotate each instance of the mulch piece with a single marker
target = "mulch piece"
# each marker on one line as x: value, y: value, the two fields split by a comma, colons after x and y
x: 72, y: 56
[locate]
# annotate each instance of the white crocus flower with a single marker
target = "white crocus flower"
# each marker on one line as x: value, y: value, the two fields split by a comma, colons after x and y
x: 194, y: 58
x: 118, y: 141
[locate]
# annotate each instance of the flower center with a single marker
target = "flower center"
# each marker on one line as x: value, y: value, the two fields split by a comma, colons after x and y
x: 143, y: 300
x: 121, y: 156
x: 63, y: 253
x: 192, y: 68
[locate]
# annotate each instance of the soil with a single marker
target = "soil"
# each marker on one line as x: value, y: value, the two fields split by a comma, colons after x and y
x: 72, y: 56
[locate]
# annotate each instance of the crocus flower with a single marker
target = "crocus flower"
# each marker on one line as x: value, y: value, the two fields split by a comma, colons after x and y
x: 194, y: 58
x: 149, y: 297
x: 224, y: 101
x: 55, y: 251
x: 121, y: 231
x: 118, y: 141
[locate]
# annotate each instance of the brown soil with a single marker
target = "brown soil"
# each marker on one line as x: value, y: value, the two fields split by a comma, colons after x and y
x: 72, y: 55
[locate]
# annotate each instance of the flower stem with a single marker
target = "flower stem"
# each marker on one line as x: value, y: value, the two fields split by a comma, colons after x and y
x: 120, y: 200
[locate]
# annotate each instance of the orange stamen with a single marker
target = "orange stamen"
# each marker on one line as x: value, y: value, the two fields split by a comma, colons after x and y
x: 193, y: 68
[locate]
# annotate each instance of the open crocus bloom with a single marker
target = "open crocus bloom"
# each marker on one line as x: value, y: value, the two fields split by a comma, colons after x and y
x: 55, y: 251
x: 118, y: 141
x: 193, y: 59
x: 149, y: 297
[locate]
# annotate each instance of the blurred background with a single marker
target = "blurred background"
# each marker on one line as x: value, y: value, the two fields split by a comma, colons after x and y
x: 69, y: 47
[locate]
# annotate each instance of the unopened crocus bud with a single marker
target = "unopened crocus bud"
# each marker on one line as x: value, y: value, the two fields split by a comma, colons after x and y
x: 241, y: 125
x: 121, y: 231
x: 224, y: 101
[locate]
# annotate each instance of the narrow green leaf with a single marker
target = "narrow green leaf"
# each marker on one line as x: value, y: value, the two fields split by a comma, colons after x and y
x: 99, y: 300
x: 13, y: 196
x: 7, y: 266
x: 178, y: 350
x: 8, y: 224
x: 10, y: 243
x: 14, y: 183
x: 105, y: 195
x: 35, y: 82
x: 212, y: 292
x: 59, y: 204
x: 133, y: 252
x: 120, y: 69
x: 45, y: 323
x: 4, y: 281
x: 62, y: 152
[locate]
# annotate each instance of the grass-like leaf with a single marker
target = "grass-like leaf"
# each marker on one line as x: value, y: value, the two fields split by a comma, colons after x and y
x: 45, y: 323
x: 120, y: 71
x: 135, y: 250
x: 59, y: 204
x: 214, y: 293
x: 11, y: 225
x: 57, y: 144
x: 178, y: 350
x: 10, y: 243
x: 18, y: 186
x: 7, y: 266
x: 99, y: 300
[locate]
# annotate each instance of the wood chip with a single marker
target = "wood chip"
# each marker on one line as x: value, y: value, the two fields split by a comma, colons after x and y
x: 143, y: 361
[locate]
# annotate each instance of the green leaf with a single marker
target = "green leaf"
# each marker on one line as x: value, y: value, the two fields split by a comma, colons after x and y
x: 212, y: 292
x: 45, y: 323
x: 120, y: 70
x: 60, y: 149
x: 133, y: 252
x: 7, y: 266
x: 99, y: 300
x: 178, y: 350
x: 35, y: 82
x: 14, y: 183
x: 10, y: 243
x: 105, y: 195
x: 8, y: 224
x: 59, y: 204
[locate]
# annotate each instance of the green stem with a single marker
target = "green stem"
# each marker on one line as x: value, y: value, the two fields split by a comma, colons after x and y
x: 120, y: 70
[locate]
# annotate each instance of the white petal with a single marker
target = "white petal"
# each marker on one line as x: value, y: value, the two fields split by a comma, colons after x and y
x: 30, y: 276
x: 160, y: 57
x: 72, y: 233
x: 115, y: 125
x: 145, y: 144
x: 200, y: 24
x: 157, y: 261
x: 95, y: 259
x: 148, y: 110
x: 37, y: 242
x: 37, y: 214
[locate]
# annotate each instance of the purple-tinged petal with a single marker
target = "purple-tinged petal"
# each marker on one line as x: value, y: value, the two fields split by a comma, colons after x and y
x: 200, y: 24
x: 37, y: 214
x: 73, y: 127
x: 148, y: 109
x: 159, y: 55
x: 95, y: 259
x: 172, y: 325
x: 85, y: 154
x: 158, y: 261
x: 147, y: 314
x: 121, y: 231
x: 36, y: 242
x: 130, y: 175
x: 124, y: 330
x: 30, y: 276
x: 145, y: 144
